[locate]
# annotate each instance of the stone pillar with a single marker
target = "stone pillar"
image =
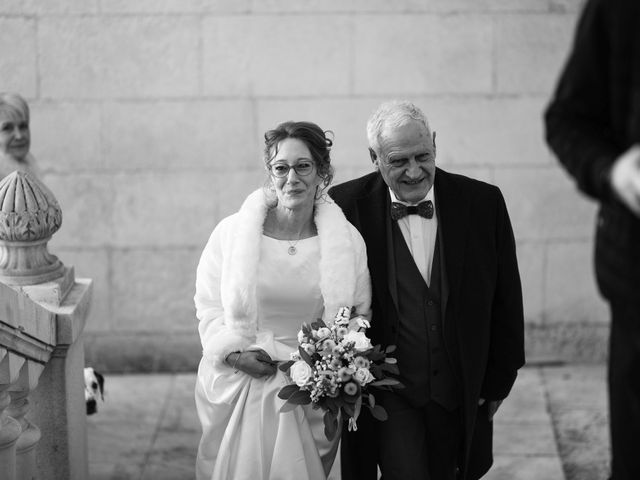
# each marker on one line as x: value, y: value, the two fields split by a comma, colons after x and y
x: 30, y: 436
x: 9, y: 428
x: 46, y: 309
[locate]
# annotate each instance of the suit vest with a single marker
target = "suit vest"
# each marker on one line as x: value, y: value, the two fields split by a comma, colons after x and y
x: 421, y: 353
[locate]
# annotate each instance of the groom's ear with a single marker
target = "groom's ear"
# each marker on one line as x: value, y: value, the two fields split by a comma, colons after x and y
x: 373, y: 155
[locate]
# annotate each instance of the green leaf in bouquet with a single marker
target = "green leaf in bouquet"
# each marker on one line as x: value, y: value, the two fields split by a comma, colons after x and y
x: 318, y: 324
x: 357, y: 408
x: 305, y: 356
x: 390, y: 349
x: 379, y: 413
x: 332, y: 405
x: 287, y: 391
x: 349, y: 409
x: 306, y: 329
x: 390, y: 368
x: 330, y: 425
x: 371, y: 399
x: 301, y: 397
x: 376, y: 371
x: 385, y: 382
x: 390, y: 360
x: 376, y: 355
x: 285, y: 366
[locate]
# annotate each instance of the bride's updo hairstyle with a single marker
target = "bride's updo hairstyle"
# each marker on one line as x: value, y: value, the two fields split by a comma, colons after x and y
x: 318, y: 142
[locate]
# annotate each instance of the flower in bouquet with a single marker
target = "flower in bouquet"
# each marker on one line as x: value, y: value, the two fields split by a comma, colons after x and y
x: 334, y: 367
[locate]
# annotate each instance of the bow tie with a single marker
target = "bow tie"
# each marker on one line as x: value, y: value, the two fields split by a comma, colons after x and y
x: 399, y: 210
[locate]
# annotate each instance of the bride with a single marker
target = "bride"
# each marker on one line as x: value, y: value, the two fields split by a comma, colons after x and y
x: 288, y: 256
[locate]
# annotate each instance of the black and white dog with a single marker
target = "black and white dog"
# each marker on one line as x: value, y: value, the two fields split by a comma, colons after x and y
x: 93, y: 386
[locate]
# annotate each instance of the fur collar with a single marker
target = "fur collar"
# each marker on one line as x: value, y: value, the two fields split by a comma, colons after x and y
x: 337, y: 262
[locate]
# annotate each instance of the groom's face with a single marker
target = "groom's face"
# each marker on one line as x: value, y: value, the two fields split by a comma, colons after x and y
x: 407, y: 160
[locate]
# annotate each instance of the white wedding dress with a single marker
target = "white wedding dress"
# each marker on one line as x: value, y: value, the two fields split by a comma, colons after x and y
x: 245, y: 437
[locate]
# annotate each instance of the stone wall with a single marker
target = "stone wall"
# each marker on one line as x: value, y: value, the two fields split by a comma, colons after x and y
x: 147, y: 120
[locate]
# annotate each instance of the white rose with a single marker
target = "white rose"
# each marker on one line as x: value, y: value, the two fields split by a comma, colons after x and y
x: 363, y: 376
x: 301, y: 337
x: 324, y: 332
x: 300, y: 373
x: 360, y: 340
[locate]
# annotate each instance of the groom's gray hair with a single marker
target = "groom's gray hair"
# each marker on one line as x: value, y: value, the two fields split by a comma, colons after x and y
x: 394, y: 114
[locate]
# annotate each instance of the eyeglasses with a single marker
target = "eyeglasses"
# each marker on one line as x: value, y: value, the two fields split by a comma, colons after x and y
x: 302, y: 168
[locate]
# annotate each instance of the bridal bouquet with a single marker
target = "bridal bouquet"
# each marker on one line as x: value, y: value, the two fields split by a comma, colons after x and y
x: 333, y: 369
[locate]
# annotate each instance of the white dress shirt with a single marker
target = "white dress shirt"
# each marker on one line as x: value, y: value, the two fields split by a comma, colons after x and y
x: 420, y: 235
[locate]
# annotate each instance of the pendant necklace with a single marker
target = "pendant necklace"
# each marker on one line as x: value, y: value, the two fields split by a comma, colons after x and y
x: 292, y: 250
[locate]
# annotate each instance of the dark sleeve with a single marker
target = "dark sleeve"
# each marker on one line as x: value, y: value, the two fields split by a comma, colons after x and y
x: 577, y: 121
x: 506, y: 349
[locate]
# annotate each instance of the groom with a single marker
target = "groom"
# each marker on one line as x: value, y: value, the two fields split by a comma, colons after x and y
x: 446, y: 292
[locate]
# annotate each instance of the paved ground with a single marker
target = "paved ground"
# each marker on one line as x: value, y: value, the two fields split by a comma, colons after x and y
x: 552, y: 427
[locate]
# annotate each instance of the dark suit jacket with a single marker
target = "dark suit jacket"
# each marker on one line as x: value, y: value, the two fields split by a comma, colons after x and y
x: 482, y: 296
x: 593, y: 118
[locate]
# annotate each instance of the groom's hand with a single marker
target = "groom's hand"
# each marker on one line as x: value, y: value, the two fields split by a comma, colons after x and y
x: 492, y: 407
x: 256, y: 363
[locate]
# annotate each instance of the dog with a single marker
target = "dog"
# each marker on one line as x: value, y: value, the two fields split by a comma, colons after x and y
x: 93, y: 386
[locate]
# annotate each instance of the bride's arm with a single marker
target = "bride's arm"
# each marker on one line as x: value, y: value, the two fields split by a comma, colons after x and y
x: 218, y: 341
x: 362, y: 294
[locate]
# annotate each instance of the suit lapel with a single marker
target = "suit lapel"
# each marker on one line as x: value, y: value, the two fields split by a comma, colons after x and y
x: 376, y: 230
x: 453, y: 207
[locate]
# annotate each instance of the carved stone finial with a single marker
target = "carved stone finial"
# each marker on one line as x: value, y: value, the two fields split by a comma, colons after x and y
x: 29, y: 215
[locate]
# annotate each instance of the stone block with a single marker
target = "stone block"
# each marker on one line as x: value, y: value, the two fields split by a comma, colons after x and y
x: 93, y: 264
x: 18, y: 56
x: 533, y: 439
x: 86, y: 202
x: 284, y: 55
x: 530, y: 51
x: 118, y: 56
x: 525, y: 405
x: 66, y: 136
x: 153, y: 289
x: 544, y: 204
x: 155, y: 351
x: 484, y: 6
x: 566, y: 5
x: 571, y: 294
x: 524, y: 467
x: 553, y: 342
x: 531, y: 262
x: 233, y: 190
x: 179, y: 135
x: 496, y: 131
x: 60, y: 7
x: 175, y: 6
x: 164, y: 209
x: 418, y: 54
x: 328, y: 6
x: 12, y: 7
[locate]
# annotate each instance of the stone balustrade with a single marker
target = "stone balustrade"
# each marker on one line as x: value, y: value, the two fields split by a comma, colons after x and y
x: 43, y: 309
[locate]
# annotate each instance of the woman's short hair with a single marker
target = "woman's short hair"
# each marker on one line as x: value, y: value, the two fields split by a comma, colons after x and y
x: 14, y: 104
x: 392, y: 114
x: 318, y: 142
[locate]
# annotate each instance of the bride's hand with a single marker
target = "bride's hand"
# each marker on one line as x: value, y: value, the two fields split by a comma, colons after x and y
x: 256, y: 363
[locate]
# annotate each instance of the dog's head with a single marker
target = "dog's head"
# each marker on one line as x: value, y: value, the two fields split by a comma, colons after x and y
x: 93, y: 387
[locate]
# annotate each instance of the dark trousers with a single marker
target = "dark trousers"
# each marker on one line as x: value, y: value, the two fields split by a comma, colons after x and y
x: 419, y: 443
x: 624, y: 391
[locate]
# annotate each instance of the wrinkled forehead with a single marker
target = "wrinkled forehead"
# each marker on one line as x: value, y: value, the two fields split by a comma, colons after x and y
x: 409, y: 135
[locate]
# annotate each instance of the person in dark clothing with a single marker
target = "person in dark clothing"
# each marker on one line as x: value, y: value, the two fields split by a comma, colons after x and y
x: 446, y: 291
x: 593, y: 126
